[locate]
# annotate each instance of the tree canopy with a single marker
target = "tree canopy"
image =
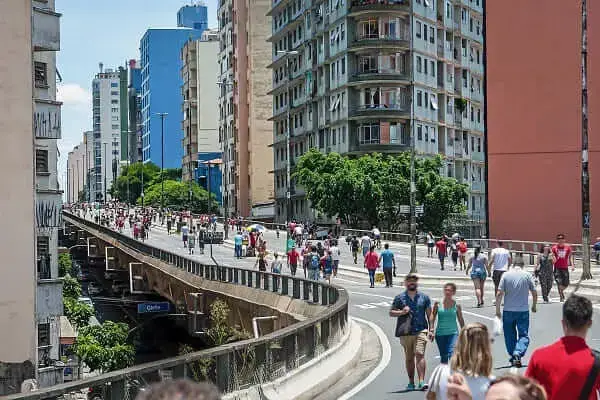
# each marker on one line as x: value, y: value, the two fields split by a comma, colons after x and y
x: 133, y: 175
x: 104, y: 347
x: 371, y: 188
x: 177, y: 195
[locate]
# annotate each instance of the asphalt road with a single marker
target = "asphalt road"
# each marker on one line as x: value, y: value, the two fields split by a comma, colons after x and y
x: 373, y: 305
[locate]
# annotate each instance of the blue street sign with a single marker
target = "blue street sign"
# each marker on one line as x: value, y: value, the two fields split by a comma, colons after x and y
x: 158, y: 307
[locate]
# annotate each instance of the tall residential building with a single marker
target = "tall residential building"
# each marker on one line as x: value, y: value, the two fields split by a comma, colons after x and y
x: 356, y: 77
x: 244, y: 106
x: 106, y: 101
x: 160, y: 51
x: 534, y: 119
x: 134, y: 110
x: 79, y: 168
x: 200, y: 110
x: 31, y: 293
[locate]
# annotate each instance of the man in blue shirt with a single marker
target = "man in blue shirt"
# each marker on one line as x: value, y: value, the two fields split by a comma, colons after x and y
x: 388, y: 263
x: 418, y: 305
x: 237, y: 241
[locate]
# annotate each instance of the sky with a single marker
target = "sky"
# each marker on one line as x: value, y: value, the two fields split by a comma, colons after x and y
x: 107, y: 31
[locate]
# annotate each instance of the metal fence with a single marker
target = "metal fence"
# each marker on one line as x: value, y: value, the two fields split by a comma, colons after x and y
x: 233, y: 366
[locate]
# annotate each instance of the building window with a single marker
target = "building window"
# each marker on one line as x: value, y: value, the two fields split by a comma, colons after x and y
x: 43, y: 257
x: 419, y: 98
x: 431, y: 34
x: 114, y: 84
x: 432, y: 65
x: 425, y: 32
x: 115, y: 126
x: 114, y: 93
x: 41, y: 161
x: 40, y: 74
x: 419, y: 64
x: 369, y: 134
x: 114, y: 102
x: 418, y: 28
x: 425, y: 67
x: 419, y: 132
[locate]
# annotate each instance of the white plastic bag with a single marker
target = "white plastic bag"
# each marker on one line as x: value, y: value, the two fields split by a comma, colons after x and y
x: 498, y: 330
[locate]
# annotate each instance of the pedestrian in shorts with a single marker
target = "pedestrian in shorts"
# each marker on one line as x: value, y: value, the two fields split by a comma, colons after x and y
x: 562, y: 258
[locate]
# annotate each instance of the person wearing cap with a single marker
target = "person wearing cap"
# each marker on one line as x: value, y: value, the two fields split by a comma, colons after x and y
x: 418, y: 305
x: 562, y: 258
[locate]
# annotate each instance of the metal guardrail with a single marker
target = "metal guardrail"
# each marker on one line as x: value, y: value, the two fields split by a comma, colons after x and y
x: 233, y: 366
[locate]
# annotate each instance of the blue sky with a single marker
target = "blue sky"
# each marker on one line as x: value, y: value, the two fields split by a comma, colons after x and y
x: 107, y: 31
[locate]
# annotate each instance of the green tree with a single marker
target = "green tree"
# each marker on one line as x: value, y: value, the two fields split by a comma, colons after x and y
x: 65, y: 264
x: 177, y: 195
x: 132, y: 174
x: 170, y: 174
x: 71, y: 287
x: 372, y: 188
x: 104, y: 347
x: 77, y: 312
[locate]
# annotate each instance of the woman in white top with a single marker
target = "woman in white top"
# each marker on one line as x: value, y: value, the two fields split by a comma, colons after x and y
x: 472, y: 358
x: 430, y: 244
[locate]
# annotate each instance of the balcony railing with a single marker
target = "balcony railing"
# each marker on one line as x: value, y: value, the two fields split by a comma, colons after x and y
x: 379, y: 74
x: 44, y: 267
x: 365, y: 110
x: 377, y: 37
x: 392, y: 5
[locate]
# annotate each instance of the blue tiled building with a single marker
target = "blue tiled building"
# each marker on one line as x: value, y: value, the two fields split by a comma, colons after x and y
x: 204, y: 172
x: 160, y: 50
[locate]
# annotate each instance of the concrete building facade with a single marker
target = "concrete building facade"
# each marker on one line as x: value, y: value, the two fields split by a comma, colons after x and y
x: 134, y: 100
x: 18, y: 353
x: 357, y: 77
x: 200, y: 97
x: 31, y: 294
x: 244, y: 106
x: 106, y: 114
x: 534, y: 119
x: 160, y: 51
x: 79, y: 169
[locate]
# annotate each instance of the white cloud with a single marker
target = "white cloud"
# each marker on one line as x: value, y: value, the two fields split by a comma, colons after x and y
x: 72, y: 94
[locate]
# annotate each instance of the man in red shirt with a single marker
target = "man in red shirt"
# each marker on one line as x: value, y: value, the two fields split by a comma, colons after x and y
x: 564, y: 367
x: 562, y: 257
x: 372, y: 261
x: 441, y: 247
x: 292, y: 259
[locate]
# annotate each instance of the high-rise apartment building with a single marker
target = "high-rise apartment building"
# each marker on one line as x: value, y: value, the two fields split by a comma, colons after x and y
x: 134, y: 111
x: 357, y: 76
x: 534, y: 119
x: 31, y: 293
x: 244, y: 106
x: 107, y: 115
x: 160, y: 51
x: 200, y: 96
x: 79, y: 168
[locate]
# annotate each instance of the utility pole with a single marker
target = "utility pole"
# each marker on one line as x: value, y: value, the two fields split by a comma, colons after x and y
x: 208, y: 185
x: 413, y: 188
x: 585, y: 177
x: 105, y: 166
x: 162, y: 158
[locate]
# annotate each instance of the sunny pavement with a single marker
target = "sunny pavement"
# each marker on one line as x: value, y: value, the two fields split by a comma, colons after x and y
x: 373, y: 305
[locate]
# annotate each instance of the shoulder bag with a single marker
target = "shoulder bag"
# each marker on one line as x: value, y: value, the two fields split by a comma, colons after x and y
x: 591, y: 378
x: 404, y: 323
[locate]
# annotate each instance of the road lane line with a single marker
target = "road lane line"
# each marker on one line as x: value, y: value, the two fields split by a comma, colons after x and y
x: 386, y: 357
x: 391, y: 298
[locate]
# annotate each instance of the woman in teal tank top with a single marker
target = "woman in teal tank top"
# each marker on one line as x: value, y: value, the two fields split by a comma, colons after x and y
x: 449, y: 316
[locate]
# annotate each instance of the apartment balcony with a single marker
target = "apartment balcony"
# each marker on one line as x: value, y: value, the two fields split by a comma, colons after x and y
x: 49, y: 300
x: 458, y: 120
x: 46, y: 30
x: 380, y: 75
x: 381, y: 41
x: 46, y: 119
x: 359, y: 7
x: 381, y: 111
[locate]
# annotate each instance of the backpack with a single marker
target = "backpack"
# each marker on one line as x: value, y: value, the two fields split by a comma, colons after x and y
x: 314, y: 261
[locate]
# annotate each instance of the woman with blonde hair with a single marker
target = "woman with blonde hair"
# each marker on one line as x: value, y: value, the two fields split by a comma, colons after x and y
x: 472, y: 358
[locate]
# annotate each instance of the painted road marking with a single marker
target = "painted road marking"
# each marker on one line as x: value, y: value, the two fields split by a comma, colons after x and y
x: 391, y: 298
x: 386, y: 356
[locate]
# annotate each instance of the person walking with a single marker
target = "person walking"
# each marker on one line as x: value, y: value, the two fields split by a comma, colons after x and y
x: 238, y: 240
x: 472, y: 359
x: 313, y: 264
x: 500, y: 261
x: 562, y: 257
x: 454, y: 252
x: 292, y: 260
x: 388, y: 263
x: 567, y: 367
x: 463, y: 248
x: 447, y: 312
x: 327, y: 264
x: 335, y: 255
x: 543, y: 271
x: 515, y: 286
x: 479, y: 265
x: 261, y: 260
x: 441, y: 248
x: 365, y: 243
x: 430, y: 244
x: 354, y: 245
x: 371, y: 264
x: 184, y: 234
x: 418, y: 306
x: 192, y: 240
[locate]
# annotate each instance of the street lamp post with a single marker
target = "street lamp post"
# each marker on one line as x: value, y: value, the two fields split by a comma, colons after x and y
x: 77, y: 194
x: 288, y: 194
x: 585, y: 177
x: 413, y: 188
x: 162, y: 158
